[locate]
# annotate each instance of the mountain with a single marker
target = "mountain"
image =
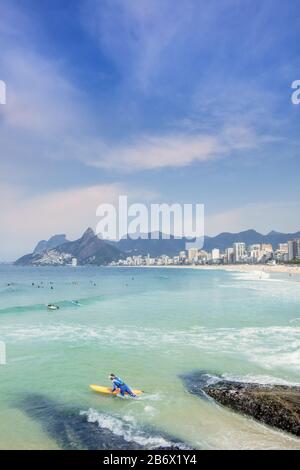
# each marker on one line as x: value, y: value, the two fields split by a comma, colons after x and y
x: 89, y: 249
x: 53, y: 242
x: 155, y: 247
x: 173, y: 246
x: 250, y: 237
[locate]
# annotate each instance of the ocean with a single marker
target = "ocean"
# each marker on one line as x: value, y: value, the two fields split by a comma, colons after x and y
x: 151, y: 326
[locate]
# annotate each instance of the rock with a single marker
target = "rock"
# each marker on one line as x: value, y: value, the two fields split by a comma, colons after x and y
x: 276, y: 405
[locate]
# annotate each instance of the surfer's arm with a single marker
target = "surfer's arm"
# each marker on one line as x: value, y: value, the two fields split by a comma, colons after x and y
x: 114, y: 387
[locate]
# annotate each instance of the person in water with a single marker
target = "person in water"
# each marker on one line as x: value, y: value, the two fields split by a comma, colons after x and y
x: 122, y: 386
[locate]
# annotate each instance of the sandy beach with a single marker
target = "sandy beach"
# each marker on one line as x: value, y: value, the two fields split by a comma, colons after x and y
x: 272, y: 269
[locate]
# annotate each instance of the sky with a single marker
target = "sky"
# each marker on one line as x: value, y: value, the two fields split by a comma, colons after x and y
x: 160, y: 100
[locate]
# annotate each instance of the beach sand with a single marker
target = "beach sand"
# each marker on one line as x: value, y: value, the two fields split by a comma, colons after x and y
x: 272, y: 269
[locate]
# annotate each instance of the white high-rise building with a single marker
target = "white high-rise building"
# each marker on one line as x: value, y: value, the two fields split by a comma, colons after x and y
x: 239, y: 250
x: 283, y: 247
x: 215, y: 254
x: 256, y: 252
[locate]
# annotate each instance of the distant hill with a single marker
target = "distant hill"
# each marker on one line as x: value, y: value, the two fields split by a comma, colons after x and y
x: 90, y: 249
x: 172, y: 246
x: 155, y: 247
x: 225, y: 239
x: 53, y: 242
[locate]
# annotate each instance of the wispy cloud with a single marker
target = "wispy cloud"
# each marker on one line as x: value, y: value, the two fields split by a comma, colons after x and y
x: 26, y: 219
x: 176, y: 150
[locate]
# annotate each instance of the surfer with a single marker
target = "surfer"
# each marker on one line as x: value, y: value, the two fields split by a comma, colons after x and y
x: 52, y: 307
x: 122, y: 386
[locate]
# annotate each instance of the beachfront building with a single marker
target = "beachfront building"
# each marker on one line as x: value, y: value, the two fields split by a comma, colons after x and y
x: 215, y: 255
x: 281, y: 254
x: 267, y: 248
x: 193, y: 255
x: 283, y: 247
x: 229, y: 255
x: 150, y: 261
x: 239, y: 252
x: 255, y: 253
x: 203, y: 257
x: 294, y: 249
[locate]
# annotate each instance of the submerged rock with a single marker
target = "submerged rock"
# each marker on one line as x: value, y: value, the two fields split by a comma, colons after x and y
x: 275, y: 405
x: 73, y: 429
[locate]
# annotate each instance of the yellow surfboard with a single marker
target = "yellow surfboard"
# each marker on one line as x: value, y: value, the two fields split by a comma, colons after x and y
x: 107, y: 390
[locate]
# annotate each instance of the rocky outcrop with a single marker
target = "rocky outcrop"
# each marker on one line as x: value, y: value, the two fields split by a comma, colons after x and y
x: 275, y: 405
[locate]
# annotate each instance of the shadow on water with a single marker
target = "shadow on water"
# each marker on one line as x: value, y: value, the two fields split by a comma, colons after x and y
x: 92, y: 430
x: 196, y: 381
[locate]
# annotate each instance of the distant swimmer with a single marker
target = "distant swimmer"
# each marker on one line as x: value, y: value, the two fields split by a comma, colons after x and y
x: 118, y: 384
x: 52, y: 307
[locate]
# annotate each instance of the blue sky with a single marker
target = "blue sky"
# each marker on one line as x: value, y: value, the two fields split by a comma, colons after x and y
x: 165, y: 101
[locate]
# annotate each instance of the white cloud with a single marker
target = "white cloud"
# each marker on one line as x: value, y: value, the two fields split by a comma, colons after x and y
x: 26, y: 219
x: 176, y: 150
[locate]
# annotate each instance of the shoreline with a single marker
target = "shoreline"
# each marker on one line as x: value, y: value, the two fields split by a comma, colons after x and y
x: 271, y: 269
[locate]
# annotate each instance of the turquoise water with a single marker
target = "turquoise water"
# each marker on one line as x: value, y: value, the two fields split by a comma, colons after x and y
x: 150, y: 326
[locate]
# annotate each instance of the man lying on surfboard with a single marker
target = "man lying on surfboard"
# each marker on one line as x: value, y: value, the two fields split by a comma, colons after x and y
x: 122, y: 386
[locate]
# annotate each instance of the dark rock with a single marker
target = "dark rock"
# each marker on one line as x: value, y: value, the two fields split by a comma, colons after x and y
x: 275, y: 405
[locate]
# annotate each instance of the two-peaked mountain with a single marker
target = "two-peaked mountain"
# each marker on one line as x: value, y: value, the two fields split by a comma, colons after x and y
x: 89, y: 249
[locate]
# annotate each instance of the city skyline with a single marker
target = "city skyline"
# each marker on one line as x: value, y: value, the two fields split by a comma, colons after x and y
x: 165, y: 102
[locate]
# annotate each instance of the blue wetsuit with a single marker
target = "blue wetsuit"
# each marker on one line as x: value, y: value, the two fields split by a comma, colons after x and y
x: 118, y: 383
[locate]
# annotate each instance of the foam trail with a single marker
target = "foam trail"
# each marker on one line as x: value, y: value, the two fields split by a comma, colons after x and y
x: 128, y: 430
x: 91, y: 430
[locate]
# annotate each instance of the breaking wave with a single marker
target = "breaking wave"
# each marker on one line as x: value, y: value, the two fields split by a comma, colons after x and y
x: 265, y: 346
x: 128, y: 429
